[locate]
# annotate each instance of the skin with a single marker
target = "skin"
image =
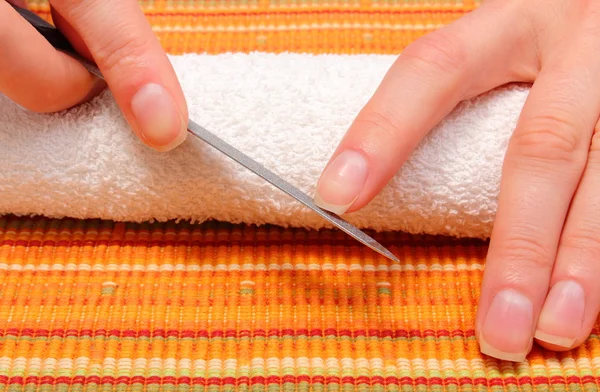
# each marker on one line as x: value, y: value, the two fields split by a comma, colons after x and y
x: 116, y: 35
x: 543, y: 261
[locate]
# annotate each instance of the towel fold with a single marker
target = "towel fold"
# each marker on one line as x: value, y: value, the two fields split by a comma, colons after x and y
x: 287, y: 111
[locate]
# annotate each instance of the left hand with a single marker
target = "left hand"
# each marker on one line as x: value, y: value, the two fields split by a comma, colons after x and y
x: 116, y: 35
x: 542, y: 271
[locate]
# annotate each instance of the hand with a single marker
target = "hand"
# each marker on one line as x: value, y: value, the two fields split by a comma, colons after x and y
x: 116, y: 35
x: 543, y: 263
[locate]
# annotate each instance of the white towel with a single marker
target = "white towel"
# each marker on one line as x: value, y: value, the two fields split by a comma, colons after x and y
x: 287, y: 111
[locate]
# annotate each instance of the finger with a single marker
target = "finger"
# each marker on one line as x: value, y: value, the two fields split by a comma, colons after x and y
x: 72, y: 35
x: 35, y: 75
x: 134, y: 64
x: 430, y: 77
x: 18, y: 3
x: 542, y: 168
x: 572, y: 305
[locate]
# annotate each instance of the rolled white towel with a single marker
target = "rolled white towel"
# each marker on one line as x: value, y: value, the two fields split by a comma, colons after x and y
x: 287, y: 111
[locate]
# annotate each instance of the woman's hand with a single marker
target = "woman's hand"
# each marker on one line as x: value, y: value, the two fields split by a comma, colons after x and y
x: 116, y: 35
x: 543, y: 266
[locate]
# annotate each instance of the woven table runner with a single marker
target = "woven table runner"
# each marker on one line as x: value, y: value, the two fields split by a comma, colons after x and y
x: 104, y: 306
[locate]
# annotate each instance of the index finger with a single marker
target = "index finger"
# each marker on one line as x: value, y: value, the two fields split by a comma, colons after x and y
x: 136, y: 68
x: 431, y: 76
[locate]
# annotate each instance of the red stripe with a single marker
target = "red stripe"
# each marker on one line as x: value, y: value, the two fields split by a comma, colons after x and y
x: 439, y: 381
x: 555, y: 380
x: 585, y: 379
x: 258, y: 380
x: 231, y: 333
x: 451, y: 382
x: 96, y: 380
x: 212, y: 381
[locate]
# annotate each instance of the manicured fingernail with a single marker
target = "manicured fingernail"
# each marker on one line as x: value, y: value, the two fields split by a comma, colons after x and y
x: 507, y: 330
x: 342, y: 181
x: 562, y: 315
x: 158, y: 117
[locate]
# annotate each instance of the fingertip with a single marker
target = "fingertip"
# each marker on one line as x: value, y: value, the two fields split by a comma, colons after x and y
x: 543, y: 341
x: 553, y: 342
x: 561, y: 320
x: 160, y: 122
x: 506, y: 331
x: 176, y: 142
x: 492, y: 351
x: 342, y: 182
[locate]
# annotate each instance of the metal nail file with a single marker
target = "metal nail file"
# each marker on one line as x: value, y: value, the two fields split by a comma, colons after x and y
x: 59, y: 41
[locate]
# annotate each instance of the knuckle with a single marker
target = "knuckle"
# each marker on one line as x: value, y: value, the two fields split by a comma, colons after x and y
x: 524, y: 254
x: 585, y: 240
x: 441, y: 50
x: 382, y: 121
x: 70, y: 8
x: 121, y: 50
x: 121, y: 46
x: 550, y: 137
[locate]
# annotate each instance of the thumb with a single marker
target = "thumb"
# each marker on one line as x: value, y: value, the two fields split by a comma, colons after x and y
x: 116, y: 34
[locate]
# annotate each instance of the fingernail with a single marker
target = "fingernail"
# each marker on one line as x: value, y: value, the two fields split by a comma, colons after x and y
x: 341, y: 182
x: 158, y: 117
x: 562, y: 315
x: 508, y: 326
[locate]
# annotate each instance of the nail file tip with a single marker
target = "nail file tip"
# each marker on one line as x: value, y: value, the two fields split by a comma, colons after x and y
x: 390, y: 255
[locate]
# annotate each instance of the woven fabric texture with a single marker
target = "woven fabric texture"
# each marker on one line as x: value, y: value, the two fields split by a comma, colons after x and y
x: 307, y: 26
x: 100, y: 306
x: 103, y: 306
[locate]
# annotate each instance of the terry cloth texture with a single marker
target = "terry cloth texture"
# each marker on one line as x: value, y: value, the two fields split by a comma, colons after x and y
x: 89, y: 305
x: 289, y: 112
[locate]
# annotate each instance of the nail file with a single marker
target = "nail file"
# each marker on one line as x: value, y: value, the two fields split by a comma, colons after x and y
x: 59, y: 42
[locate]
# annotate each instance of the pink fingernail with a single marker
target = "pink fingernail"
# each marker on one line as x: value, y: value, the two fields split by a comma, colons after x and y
x: 159, y: 118
x: 342, y: 182
x: 562, y: 315
x: 507, y: 330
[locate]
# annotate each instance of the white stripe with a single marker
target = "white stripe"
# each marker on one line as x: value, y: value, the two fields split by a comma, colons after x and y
x: 295, y: 27
x: 231, y: 366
